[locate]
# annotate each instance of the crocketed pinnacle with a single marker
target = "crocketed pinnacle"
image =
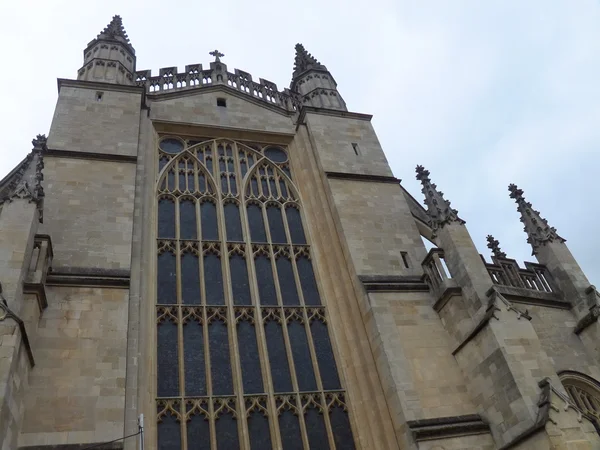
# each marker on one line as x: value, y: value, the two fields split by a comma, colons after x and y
x: 304, y: 61
x: 494, y: 246
x: 537, y: 228
x: 115, y: 31
x: 439, y: 210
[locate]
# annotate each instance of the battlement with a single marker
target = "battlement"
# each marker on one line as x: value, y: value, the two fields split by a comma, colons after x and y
x: 196, y: 77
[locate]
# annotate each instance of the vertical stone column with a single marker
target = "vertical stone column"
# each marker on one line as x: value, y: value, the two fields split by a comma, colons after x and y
x: 18, y: 225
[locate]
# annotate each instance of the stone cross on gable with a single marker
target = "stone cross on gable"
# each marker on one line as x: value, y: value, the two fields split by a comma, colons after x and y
x: 217, y: 54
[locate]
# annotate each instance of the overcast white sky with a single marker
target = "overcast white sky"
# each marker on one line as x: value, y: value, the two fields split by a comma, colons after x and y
x: 483, y: 93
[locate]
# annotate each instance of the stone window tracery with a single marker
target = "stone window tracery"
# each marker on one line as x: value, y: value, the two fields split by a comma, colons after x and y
x: 584, y: 391
x: 244, y: 357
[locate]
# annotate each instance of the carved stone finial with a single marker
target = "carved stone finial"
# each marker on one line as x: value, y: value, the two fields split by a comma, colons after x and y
x: 438, y: 209
x: 39, y: 143
x: 304, y: 61
x: 494, y: 246
x: 115, y: 31
x: 537, y: 228
x: 217, y: 54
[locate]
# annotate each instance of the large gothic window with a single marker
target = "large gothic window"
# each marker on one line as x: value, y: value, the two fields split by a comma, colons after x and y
x: 244, y: 357
x: 585, y: 393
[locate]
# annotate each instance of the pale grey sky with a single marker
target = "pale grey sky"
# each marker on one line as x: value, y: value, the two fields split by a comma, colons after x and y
x: 481, y: 93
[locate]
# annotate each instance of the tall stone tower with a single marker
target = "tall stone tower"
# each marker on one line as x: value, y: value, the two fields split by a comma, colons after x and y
x: 237, y: 265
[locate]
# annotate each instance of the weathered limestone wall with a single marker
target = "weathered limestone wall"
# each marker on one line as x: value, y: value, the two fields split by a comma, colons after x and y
x: 84, y: 124
x: 554, y: 328
x: 88, y: 212
x: 333, y: 137
x: 413, y: 349
x: 76, y: 391
x: 201, y: 108
x: 377, y: 226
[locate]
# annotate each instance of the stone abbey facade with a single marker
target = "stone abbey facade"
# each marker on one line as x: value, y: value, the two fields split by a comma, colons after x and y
x: 238, y: 264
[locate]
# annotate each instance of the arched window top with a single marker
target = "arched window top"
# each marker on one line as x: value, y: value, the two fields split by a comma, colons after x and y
x: 171, y: 145
x: 584, y: 391
x: 186, y: 175
x: 268, y: 182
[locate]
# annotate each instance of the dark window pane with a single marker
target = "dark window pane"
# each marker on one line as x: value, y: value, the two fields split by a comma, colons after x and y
x: 280, y: 371
x: 295, y: 225
x: 193, y: 353
x: 181, y: 177
x: 222, y: 167
x: 254, y: 186
x: 190, y: 182
x: 230, y: 167
x: 213, y: 280
x: 162, y: 162
x: 273, y: 187
x: 301, y: 353
x: 187, y: 219
x: 209, y: 163
x: 307, y: 281
x: 257, y: 226
x: 166, y: 355
x: 232, y: 184
x: 226, y: 430
x: 244, y: 168
x: 166, y: 218
x: 315, y: 428
x: 340, y: 424
x: 265, y: 186
x: 208, y: 213
x: 198, y: 432
x: 250, y: 160
x: 276, y: 154
x: 232, y: 222
x: 266, y: 284
x: 171, y: 180
x: 169, y: 433
x: 287, y: 284
x: 166, y: 291
x: 276, y: 224
x: 224, y: 187
x: 201, y: 182
x: 258, y: 429
x: 239, y: 280
x: 219, y: 358
x: 283, y: 188
x: 290, y: 431
x: 249, y: 360
x: 190, y: 279
x: 171, y: 145
x: 286, y: 170
x: 327, y: 366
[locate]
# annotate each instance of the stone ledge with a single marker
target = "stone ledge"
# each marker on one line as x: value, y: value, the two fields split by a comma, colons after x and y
x: 363, y: 177
x: 444, y: 427
x: 89, y: 277
x: 531, y: 297
x: 385, y: 283
x: 91, y: 155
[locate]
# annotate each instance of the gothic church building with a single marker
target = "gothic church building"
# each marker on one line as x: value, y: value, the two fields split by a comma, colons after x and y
x: 237, y: 264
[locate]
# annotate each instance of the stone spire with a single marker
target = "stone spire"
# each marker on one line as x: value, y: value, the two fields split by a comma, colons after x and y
x: 494, y: 246
x: 110, y: 58
x: 439, y: 210
x: 314, y: 83
x: 115, y: 31
x: 305, y: 61
x: 537, y: 229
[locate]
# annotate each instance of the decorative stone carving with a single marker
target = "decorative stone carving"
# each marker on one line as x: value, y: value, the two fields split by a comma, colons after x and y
x: 305, y: 61
x: 537, y: 228
x: 494, y: 246
x: 115, y: 31
x: 438, y: 209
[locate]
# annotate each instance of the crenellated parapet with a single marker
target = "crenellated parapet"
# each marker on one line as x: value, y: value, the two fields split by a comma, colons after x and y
x: 195, y: 76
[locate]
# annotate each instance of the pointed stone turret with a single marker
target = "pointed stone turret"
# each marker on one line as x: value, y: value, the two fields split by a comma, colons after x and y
x: 438, y: 209
x: 110, y: 58
x: 494, y: 246
x: 538, y: 231
x: 314, y: 82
